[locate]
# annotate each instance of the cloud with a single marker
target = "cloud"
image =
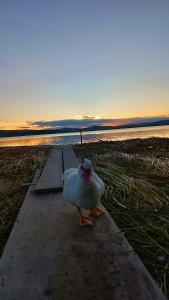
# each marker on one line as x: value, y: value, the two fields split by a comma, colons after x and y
x: 80, y: 122
x: 23, y: 127
x: 87, y: 121
x: 11, y: 125
x: 87, y: 117
x: 73, y: 123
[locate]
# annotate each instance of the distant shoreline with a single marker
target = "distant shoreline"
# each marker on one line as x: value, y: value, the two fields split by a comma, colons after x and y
x: 24, y: 133
x: 158, y: 146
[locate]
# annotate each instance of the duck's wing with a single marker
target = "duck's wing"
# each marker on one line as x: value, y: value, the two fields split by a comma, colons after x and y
x: 70, y: 179
x: 69, y: 172
x: 99, y: 182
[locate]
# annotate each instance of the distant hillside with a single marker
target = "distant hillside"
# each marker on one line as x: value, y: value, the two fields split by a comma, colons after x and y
x: 25, y: 132
x: 132, y: 125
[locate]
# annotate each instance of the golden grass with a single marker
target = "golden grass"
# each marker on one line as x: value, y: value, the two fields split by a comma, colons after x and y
x: 16, y: 167
x: 136, y: 197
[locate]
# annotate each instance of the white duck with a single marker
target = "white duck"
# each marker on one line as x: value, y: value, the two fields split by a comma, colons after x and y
x: 84, y: 188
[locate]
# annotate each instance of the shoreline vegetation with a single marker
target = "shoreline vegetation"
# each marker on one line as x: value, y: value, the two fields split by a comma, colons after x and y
x: 136, y: 174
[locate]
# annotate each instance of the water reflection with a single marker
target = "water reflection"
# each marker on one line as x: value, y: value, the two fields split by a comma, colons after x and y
x: 118, y: 134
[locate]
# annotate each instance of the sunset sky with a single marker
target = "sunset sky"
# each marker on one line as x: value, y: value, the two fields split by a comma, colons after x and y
x: 78, y: 62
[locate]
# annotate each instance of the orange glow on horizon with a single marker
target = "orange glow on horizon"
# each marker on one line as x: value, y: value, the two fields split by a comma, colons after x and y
x: 5, y: 125
x: 91, y: 121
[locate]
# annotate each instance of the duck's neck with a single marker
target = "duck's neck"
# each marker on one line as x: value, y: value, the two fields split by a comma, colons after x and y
x: 86, y: 180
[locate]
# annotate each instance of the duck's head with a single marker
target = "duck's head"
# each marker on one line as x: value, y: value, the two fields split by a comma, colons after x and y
x: 86, y: 169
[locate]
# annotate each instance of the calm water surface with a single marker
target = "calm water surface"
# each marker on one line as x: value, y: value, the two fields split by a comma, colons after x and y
x: 92, y: 136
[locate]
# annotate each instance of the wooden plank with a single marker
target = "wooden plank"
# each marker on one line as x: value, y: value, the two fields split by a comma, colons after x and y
x: 51, y: 177
x: 70, y: 159
x: 48, y: 256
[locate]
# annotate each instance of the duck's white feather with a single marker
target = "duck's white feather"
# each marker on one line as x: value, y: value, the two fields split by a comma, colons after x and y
x: 80, y: 193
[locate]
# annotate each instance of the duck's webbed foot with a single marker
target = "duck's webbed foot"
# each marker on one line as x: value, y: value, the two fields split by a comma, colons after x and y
x: 96, y: 212
x: 86, y: 221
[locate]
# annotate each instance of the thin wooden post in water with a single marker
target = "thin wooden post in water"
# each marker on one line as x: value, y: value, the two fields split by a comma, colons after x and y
x: 81, y: 137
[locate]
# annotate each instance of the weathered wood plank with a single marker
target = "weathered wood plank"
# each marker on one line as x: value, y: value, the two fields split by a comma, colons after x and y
x: 70, y: 159
x: 51, y: 177
x: 49, y: 256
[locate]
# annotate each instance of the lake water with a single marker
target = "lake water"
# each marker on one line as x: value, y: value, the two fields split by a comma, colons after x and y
x: 91, y: 136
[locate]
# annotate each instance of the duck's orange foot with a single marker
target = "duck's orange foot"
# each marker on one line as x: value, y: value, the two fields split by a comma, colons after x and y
x: 86, y: 221
x: 96, y: 212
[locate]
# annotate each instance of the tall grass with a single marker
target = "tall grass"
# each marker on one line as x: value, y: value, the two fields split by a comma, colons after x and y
x: 139, y: 204
x: 15, y: 169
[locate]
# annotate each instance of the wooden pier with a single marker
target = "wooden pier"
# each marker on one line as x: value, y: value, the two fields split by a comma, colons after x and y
x: 48, y: 256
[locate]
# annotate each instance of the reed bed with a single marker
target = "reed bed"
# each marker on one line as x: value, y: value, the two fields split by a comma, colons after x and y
x: 136, y: 197
x: 151, y: 164
x: 17, y: 166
